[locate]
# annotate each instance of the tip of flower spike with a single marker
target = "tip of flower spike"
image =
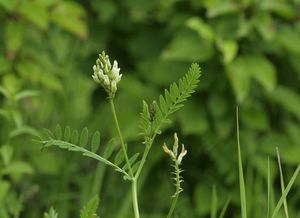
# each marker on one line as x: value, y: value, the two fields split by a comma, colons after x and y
x: 175, y: 146
x: 182, y: 154
x: 174, y: 152
x: 107, y: 75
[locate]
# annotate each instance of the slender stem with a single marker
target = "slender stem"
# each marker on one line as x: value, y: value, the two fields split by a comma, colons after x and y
x: 241, y: 173
x: 133, y: 181
x: 176, y: 195
x: 134, y: 198
x: 147, y: 149
x: 269, y: 188
x: 282, y: 184
x: 145, y: 154
x: 174, y: 202
x: 120, y: 135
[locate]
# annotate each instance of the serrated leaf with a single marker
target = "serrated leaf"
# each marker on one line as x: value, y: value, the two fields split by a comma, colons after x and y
x: 84, y: 137
x: 67, y: 134
x: 75, y: 137
x: 95, y: 141
x: 58, y: 132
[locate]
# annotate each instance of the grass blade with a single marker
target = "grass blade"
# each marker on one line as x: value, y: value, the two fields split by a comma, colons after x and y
x: 286, y: 191
x: 224, y: 209
x: 282, y: 184
x: 269, y: 188
x: 241, y: 174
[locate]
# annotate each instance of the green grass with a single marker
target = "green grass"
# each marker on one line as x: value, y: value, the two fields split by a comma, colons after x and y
x: 241, y: 174
x: 282, y: 183
x: 285, y: 190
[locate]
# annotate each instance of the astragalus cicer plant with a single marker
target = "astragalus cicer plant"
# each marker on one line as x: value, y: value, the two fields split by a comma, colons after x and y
x: 152, y: 119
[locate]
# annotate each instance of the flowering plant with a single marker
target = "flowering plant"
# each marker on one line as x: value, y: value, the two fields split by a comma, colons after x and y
x: 153, y: 117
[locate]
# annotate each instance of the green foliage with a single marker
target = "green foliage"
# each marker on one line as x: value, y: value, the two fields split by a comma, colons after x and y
x: 51, y: 214
x: 248, y: 51
x: 155, y: 115
x: 285, y: 191
x: 241, y: 171
x: 79, y: 144
x: 87, y: 211
x: 173, y: 98
x: 90, y: 209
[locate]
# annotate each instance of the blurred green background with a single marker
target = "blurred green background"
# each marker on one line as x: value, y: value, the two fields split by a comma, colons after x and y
x: 249, y: 52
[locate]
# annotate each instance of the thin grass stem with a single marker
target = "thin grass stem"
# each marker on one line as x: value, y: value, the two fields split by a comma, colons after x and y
x: 282, y: 184
x: 241, y: 174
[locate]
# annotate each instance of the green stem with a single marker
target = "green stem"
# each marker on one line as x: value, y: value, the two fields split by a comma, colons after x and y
x: 112, y: 106
x: 134, y: 198
x: 175, y: 197
x: 143, y: 160
x: 133, y: 181
x: 241, y: 173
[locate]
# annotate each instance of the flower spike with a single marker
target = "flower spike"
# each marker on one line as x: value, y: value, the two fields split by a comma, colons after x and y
x: 107, y: 75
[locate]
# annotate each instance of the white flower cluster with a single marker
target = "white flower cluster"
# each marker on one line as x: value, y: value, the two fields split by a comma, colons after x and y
x: 107, y: 75
x: 173, y: 153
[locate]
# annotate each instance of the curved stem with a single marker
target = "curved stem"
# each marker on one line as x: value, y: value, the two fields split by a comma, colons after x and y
x: 112, y: 106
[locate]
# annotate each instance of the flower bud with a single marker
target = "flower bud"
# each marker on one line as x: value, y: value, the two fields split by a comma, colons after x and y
x: 173, y: 153
x: 182, y: 154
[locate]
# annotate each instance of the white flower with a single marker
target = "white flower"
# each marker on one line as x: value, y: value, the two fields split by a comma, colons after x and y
x: 182, y: 154
x: 168, y: 151
x: 115, y: 70
x: 106, y: 75
x: 105, y: 79
x: 173, y: 153
x: 113, y: 86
